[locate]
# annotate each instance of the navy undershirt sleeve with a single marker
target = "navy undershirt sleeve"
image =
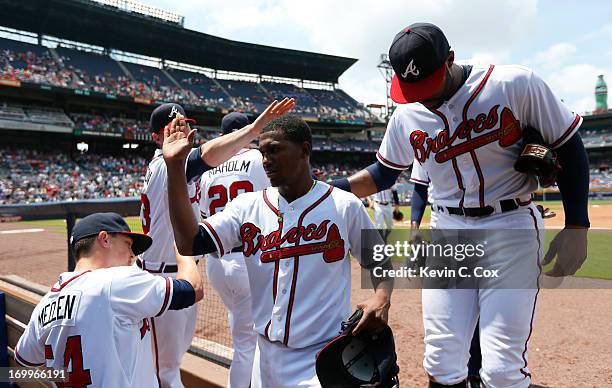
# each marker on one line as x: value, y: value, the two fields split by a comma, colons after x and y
x: 573, y: 181
x: 342, y: 184
x: 183, y: 294
x: 203, y: 243
x: 418, y: 203
x: 383, y: 176
x: 195, y: 165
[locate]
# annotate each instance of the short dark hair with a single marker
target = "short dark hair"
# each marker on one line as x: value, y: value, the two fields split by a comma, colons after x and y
x: 83, y: 246
x: 293, y: 128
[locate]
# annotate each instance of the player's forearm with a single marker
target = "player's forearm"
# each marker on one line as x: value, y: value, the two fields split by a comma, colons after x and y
x: 362, y: 184
x: 418, y: 204
x: 374, y: 178
x: 573, y: 182
x: 188, y: 270
x: 382, y: 292
x: 221, y: 149
x: 383, y: 284
x: 184, y: 223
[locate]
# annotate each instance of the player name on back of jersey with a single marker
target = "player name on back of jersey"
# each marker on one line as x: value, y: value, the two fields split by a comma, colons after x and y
x: 231, y: 166
x: 63, y: 307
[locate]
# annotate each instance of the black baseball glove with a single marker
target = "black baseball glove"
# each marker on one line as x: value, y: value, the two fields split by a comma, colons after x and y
x: 398, y: 215
x: 536, y: 158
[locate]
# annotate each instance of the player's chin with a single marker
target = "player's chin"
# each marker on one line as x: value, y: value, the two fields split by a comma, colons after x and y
x: 275, y: 182
x: 274, y: 178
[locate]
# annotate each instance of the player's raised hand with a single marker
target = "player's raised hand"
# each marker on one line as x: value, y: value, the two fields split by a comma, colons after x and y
x: 275, y: 110
x: 178, y: 140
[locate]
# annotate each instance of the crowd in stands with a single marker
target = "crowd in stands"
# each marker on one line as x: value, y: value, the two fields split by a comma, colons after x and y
x: 127, y: 128
x: 601, y: 173
x: 37, y: 67
x: 94, y: 72
x: 330, y: 144
x: 31, y: 176
x: 597, y: 138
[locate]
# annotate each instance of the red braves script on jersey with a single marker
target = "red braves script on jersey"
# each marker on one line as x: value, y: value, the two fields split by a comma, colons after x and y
x: 508, y: 133
x: 297, y: 256
x: 468, y: 145
x: 270, y: 245
x: 86, y: 312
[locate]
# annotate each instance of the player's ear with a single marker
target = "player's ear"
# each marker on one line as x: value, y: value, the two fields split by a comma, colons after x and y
x: 450, y: 59
x: 306, y: 149
x: 104, y: 239
x: 158, y: 137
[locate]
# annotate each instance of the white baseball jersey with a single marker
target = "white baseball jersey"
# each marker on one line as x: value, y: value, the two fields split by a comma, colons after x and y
x: 243, y: 173
x: 419, y: 175
x: 154, y: 213
x: 469, y: 144
x: 95, y: 324
x: 385, y: 196
x: 297, y: 256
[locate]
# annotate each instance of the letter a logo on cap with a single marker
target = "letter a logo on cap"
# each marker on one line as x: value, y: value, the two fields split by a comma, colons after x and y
x: 173, y: 112
x: 411, y: 68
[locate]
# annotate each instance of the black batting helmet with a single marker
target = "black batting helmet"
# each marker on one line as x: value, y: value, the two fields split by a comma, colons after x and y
x: 367, y: 360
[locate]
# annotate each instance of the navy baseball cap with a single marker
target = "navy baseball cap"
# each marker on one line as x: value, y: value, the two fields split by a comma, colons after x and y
x: 233, y: 121
x: 164, y: 114
x: 111, y: 223
x: 417, y: 55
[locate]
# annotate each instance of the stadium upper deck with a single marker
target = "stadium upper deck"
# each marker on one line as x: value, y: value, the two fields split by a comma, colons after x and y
x: 164, y: 42
x: 98, y: 73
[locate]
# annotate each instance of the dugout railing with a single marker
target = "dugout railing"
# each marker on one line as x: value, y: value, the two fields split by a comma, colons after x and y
x: 217, y: 351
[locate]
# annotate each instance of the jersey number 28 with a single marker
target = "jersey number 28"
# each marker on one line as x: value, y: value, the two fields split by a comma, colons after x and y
x: 220, y: 193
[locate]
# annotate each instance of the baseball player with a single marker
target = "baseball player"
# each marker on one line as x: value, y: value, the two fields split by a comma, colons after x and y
x: 463, y: 125
x: 173, y: 333
x: 418, y: 204
x: 383, y: 203
x: 95, y: 320
x: 296, y: 238
x: 228, y: 275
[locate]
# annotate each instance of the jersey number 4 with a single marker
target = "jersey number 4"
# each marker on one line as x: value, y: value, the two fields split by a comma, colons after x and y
x: 73, y: 356
x: 220, y: 194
